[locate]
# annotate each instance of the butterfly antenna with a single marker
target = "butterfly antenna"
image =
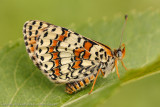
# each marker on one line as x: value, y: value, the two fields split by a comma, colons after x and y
x: 126, y: 17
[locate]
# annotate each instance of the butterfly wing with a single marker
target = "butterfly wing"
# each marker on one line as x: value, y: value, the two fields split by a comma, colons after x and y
x: 31, y: 31
x: 62, y: 54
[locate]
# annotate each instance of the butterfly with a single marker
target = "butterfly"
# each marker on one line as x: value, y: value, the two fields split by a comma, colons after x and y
x: 67, y: 57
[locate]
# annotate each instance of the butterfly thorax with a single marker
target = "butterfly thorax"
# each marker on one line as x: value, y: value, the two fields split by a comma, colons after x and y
x: 107, y: 59
x: 108, y: 66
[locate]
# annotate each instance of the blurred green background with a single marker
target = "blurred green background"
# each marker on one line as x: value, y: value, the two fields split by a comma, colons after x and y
x: 74, y: 13
x: 14, y: 13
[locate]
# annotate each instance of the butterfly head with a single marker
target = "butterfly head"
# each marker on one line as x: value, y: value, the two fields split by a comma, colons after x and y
x: 120, y: 52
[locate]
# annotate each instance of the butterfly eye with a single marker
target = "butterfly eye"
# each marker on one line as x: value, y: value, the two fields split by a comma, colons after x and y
x: 119, y: 53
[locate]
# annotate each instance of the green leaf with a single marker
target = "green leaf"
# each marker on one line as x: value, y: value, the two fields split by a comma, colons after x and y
x: 21, y: 83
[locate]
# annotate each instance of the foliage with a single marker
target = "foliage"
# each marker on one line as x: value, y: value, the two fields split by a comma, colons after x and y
x: 22, y: 83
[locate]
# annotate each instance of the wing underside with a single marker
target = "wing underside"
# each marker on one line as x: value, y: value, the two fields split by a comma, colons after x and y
x: 61, y: 54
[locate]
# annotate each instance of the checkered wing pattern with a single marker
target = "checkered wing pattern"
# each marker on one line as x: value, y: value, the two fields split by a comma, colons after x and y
x: 61, y: 54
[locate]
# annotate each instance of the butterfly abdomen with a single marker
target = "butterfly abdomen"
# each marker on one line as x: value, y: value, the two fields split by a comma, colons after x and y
x: 78, y: 85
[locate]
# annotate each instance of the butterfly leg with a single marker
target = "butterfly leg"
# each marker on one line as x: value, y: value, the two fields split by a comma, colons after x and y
x: 117, y: 68
x: 94, y: 81
x: 102, y: 73
x: 124, y: 65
